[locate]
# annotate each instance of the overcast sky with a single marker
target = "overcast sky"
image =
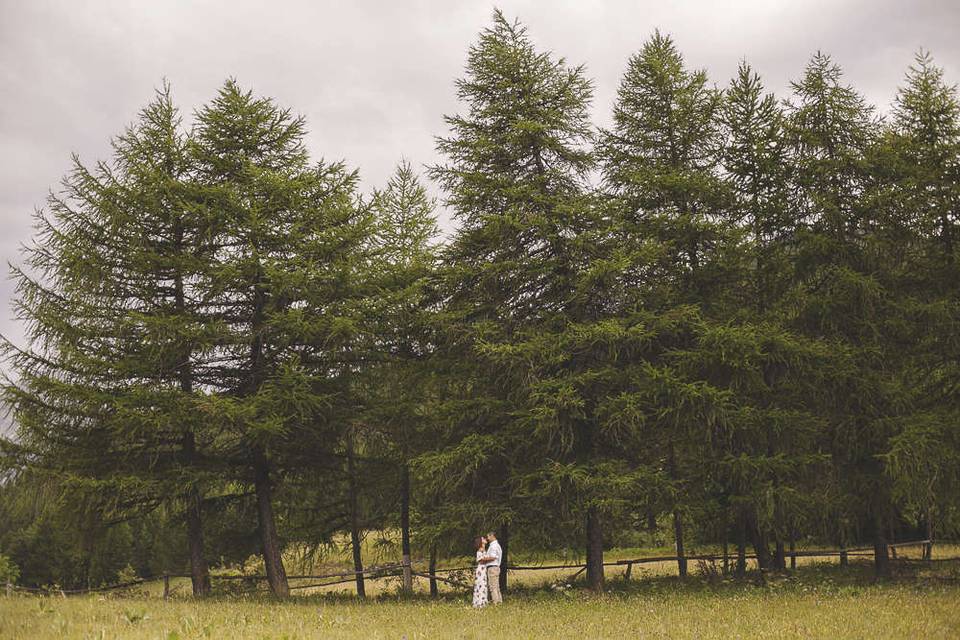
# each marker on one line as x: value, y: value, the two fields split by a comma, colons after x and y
x: 374, y: 78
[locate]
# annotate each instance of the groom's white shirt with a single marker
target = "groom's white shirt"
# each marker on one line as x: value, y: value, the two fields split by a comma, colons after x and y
x: 494, y: 551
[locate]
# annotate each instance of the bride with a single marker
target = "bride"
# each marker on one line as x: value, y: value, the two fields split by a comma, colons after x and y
x: 480, y: 574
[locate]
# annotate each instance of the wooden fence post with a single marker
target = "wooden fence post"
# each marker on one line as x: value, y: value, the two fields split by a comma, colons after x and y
x: 166, y: 586
x: 9, y: 589
x: 626, y: 576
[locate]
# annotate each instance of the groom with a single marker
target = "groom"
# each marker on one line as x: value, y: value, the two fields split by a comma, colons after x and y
x: 492, y: 560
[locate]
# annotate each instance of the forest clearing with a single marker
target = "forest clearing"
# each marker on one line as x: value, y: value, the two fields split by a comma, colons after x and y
x: 819, y: 600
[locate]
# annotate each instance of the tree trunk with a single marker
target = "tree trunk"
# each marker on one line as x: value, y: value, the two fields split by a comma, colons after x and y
x: 434, y: 589
x: 651, y: 521
x: 844, y: 560
x: 199, y: 572
x: 881, y: 556
x: 405, y: 528
x: 741, y: 569
x: 594, y: 550
x: 780, y: 556
x: 928, y: 548
x: 726, y: 555
x: 760, y: 548
x: 793, y: 550
x: 678, y: 538
x: 355, y: 541
x: 504, y: 547
x: 677, y: 517
x: 881, y: 551
x: 269, y: 541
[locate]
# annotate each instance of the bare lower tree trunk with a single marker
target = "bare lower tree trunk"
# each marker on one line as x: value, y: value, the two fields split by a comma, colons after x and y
x: 726, y: 554
x: 741, y: 569
x: 780, y: 556
x: 779, y: 548
x: 928, y: 548
x: 881, y: 556
x: 199, y: 571
x: 881, y: 550
x: 355, y: 541
x: 844, y: 559
x: 677, y: 518
x: 434, y: 589
x: 760, y: 548
x: 793, y: 550
x: 504, y: 548
x: 594, y: 550
x: 405, y: 528
x: 678, y: 537
x: 269, y: 540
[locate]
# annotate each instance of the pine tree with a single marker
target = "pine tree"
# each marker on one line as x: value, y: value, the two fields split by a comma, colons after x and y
x: 841, y: 295
x: 660, y: 165
x: 754, y: 159
x: 764, y: 465
x: 400, y: 385
x: 106, y: 392
x: 516, y: 165
x: 830, y: 127
x: 917, y: 173
x: 926, y: 131
x: 289, y: 284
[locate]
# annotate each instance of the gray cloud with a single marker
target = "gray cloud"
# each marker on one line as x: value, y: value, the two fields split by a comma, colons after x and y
x: 375, y: 78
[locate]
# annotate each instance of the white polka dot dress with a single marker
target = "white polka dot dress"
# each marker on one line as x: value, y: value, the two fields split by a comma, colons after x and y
x: 480, y: 583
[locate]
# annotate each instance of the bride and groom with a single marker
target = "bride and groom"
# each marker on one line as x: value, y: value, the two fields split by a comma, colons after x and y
x: 487, y: 573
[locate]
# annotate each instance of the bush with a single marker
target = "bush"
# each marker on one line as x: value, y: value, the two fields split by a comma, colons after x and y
x: 9, y: 571
x: 127, y: 575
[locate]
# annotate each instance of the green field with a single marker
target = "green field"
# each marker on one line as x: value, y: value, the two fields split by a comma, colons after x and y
x: 819, y: 601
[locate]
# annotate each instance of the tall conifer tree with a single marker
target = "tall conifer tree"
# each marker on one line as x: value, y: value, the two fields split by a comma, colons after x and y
x: 917, y: 171
x: 767, y: 458
x: 107, y: 390
x: 660, y: 164
x: 842, y: 295
x: 289, y: 282
x: 400, y: 383
x: 516, y: 165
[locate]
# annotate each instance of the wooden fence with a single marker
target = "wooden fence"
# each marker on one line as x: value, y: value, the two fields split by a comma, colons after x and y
x: 396, y: 570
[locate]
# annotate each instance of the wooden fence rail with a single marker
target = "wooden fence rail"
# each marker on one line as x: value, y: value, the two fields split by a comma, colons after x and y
x: 72, y: 592
x: 394, y: 570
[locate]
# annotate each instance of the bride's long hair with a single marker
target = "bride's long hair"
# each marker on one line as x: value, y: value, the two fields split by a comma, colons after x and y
x: 478, y: 543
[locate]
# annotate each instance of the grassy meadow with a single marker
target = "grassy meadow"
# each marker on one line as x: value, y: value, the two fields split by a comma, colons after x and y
x: 819, y: 600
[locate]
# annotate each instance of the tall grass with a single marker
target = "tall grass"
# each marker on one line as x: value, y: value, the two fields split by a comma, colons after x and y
x: 818, y: 601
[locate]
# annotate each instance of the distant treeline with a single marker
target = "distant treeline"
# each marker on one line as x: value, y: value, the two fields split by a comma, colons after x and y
x: 731, y: 314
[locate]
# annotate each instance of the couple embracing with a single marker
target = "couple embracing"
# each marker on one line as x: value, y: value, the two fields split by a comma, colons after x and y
x: 487, y: 574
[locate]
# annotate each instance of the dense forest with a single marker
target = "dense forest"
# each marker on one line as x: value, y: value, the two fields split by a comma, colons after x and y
x: 731, y: 315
